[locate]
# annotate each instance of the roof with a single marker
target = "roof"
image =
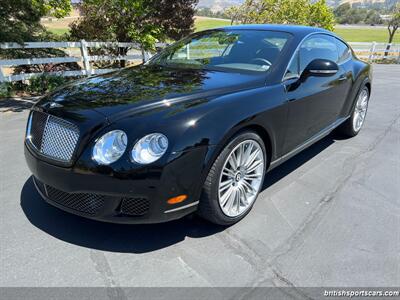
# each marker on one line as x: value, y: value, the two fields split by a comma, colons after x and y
x: 295, y: 29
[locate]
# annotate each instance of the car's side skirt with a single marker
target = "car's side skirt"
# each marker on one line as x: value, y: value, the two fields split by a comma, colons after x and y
x: 323, y: 133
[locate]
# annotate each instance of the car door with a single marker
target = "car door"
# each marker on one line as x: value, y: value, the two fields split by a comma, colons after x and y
x: 346, y: 66
x: 314, y: 102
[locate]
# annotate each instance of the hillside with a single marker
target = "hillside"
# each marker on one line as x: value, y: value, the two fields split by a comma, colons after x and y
x: 218, y: 5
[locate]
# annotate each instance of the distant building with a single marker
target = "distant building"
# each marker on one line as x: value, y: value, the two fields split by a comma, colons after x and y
x: 369, y: 3
x: 385, y: 17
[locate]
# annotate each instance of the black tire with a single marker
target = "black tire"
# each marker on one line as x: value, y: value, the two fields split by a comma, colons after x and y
x: 347, y: 129
x: 209, y: 207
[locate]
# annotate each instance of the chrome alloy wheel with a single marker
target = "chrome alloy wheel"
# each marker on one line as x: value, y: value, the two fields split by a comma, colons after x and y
x: 241, y: 178
x: 360, y: 110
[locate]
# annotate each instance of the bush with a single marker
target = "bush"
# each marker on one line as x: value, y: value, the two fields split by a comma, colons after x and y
x: 36, y: 86
x: 6, y: 89
x: 45, y: 83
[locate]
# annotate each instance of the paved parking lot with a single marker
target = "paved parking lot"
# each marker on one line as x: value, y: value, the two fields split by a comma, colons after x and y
x: 328, y: 217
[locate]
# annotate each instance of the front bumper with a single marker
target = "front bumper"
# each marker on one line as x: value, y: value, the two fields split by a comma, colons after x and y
x: 133, y: 196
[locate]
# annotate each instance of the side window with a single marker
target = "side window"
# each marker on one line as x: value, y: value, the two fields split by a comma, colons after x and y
x: 293, y: 69
x: 344, y: 51
x: 317, y: 46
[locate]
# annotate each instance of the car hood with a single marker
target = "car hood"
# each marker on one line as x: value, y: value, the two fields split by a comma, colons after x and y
x: 146, y: 86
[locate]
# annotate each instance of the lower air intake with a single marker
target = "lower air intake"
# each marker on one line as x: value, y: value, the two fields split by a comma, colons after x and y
x: 86, y: 203
x: 134, y: 206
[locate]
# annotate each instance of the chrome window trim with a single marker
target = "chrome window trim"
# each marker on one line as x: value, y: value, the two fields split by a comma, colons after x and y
x: 294, y: 53
x: 348, y: 48
x: 299, y: 45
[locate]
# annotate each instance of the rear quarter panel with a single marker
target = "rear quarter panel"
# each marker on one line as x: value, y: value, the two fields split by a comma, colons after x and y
x: 361, y: 75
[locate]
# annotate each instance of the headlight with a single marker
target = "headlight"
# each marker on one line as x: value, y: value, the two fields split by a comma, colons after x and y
x: 150, y: 148
x: 110, y: 147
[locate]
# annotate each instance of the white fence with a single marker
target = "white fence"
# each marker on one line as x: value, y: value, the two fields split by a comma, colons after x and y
x: 367, y: 51
x: 376, y: 51
x: 81, y: 56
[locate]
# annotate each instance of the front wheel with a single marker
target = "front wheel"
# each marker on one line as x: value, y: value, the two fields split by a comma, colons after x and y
x: 235, y: 180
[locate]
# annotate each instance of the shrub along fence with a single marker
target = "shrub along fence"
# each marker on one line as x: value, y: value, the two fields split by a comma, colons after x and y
x: 79, y: 54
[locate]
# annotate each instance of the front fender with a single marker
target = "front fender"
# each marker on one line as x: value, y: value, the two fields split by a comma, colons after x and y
x: 263, y: 107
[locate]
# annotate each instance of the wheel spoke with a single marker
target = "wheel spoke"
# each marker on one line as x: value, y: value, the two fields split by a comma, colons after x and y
x: 231, y: 201
x: 228, y: 172
x: 245, y: 202
x: 254, y: 166
x: 252, y: 176
x: 224, y: 185
x: 239, y: 156
x: 238, y: 199
x: 247, y: 153
x: 252, y: 157
x: 249, y: 187
x: 224, y: 199
x: 232, y: 161
x: 364, y: 104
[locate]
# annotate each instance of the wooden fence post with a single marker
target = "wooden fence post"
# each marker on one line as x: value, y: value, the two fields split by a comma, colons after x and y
x: 85, y: 56
x: 398, y: 54
x: 145, y: 55
x: 2, y: 76
x: 371, y: 52
x: 188, y: 51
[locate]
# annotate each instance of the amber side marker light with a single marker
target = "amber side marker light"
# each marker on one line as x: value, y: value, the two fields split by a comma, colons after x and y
x: 177, y: 199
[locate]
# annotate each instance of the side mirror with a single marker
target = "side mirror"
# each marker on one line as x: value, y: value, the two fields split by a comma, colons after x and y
x: 321, y: 68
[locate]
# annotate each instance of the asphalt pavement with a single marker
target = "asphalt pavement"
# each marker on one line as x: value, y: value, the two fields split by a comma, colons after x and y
x: 328, y: 217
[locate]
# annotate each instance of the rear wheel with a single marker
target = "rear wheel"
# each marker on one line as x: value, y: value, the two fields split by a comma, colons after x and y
x: 235, y: 180
x: 354, y: 124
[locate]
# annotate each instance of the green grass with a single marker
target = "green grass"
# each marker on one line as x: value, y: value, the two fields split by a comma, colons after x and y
x: 200, y: 24
x: 203, y: 24
x: 379, y: 35
x: 349, y: 34
x: 58, y: 31
x: 372, y: 34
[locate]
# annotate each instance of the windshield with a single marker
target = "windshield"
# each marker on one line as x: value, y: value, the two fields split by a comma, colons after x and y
x: 249, y: 50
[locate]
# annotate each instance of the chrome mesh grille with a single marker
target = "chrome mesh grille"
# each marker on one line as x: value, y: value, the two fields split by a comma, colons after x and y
x: 52, y: 137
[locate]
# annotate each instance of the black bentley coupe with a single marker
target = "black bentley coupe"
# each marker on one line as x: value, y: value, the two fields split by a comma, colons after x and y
x: 196, y: 127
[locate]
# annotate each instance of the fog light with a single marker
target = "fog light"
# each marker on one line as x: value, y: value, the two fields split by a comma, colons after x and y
x: 177, y: 199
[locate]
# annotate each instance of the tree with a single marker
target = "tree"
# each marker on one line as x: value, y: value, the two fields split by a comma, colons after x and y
x: 141, y: 21
x: 233, y: 13
x: 373, y: 17
x: 20, y: 22
x: 393, y: 25
x: 301, y: 12
x: 321, y: 15
x: 346, y: 14
x: 20, y: 19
